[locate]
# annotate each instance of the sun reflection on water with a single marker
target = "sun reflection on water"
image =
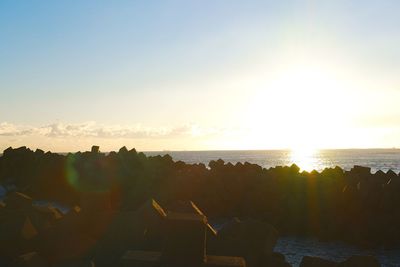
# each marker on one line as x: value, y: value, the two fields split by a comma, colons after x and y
x: 306, y: 159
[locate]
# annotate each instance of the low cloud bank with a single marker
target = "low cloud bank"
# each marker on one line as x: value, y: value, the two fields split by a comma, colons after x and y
x: 93, y: 129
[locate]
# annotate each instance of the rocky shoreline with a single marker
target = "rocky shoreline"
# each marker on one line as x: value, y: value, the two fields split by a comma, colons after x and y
x: 109, y: 196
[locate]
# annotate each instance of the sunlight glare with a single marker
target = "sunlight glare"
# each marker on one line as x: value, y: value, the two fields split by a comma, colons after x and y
x: 305, y: 158
x: 300, y: 106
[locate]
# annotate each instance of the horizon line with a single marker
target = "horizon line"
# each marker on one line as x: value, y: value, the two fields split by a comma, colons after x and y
x: 211, y: 150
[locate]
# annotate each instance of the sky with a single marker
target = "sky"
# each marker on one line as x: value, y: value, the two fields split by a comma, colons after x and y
x: 199, y: 75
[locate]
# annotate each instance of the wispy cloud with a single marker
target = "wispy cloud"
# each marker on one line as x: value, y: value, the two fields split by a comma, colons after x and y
x: 93, y: 130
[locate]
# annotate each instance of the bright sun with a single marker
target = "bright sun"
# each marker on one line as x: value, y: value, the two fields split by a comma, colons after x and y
x: 298, y: 108
x: 304, y: 158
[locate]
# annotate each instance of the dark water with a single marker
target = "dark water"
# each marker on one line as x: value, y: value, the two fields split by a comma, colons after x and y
x: 377, y: 159
x: 295, y: 248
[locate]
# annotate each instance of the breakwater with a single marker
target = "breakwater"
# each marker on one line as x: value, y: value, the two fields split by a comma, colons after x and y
x: 352, y: 206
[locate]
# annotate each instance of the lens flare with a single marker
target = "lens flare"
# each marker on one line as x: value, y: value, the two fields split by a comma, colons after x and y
x: 71, y: 173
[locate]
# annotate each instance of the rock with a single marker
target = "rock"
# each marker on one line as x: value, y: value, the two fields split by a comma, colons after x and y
x: 391, y: 174
x: 49, y: 212
x: 251, y: 239
x: 95, y: 149
x: 140, y: 258
x: 126, y: 231
x: 309, y: 261
x: 17, y: 226
x: 76, y: 263
x: 95, y: 201
x: 223, y: 261
x: 68, y: 239
x: 71, y: 221
x: 31, y: 259
x: 58, y: 246
x: 294, y: 168
x: 123, y: 150
x: 190, y: 207
x: 185, y: 241
x: 275, y: 260
x: 18, y: 201
x: 216, y: 164
x: 151, y: 216
x: 257, y: 234
x: 360, y: 170
x: 28, y: 230
x: 39, y: 152
x: 7, y: 151
x: 44, y: 217
x: 360, y: 261
x: 17, y: 234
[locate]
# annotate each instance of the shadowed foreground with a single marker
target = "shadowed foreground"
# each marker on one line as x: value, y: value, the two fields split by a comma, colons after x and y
x: 109, y: 197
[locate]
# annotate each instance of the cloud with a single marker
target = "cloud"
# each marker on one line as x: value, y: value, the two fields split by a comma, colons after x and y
x: 94, y: 130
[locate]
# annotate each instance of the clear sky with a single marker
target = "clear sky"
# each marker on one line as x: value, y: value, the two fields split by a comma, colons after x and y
x: 196, y: 75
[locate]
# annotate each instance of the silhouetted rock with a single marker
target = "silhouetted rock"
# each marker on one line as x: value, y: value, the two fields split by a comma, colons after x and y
x: 58, y: 246
x: 254, y: 240
x: 275, y: 260
x: 185, y: 238
x: 17, y: 233
x: 31, y: 259
x: 361, y: 170
x: 353, y: 206
x: 256, y: 233
x: 184, y: 242
x: 152, y: 216
x: 95, y: 149
x: 123, y: 150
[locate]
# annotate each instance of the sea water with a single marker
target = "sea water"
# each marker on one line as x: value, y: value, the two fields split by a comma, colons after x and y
x: 295, y: 248
x: 376, y: 159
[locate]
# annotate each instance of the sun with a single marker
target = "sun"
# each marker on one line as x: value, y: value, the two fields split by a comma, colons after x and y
x: 305, y: 158
x: 298, y: 107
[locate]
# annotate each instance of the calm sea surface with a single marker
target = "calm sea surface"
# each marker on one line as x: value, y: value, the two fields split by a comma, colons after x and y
x: 377, y: 159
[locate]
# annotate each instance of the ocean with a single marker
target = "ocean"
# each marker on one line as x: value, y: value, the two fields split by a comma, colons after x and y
x: 376, y: 159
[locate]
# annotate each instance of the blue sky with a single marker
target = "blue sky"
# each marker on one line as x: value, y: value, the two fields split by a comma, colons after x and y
x: 199, y: 74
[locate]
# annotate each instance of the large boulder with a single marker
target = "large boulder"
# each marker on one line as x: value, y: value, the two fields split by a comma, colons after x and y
x: 17, y: 234
x: 254, y: 240
x: 151, y: 222
x: 68, y: 239
x: 276, y: 259
x: 186, y: 206
x: 44, y: 217
x: 124, y: 232
x: 256, y: 234
x: 361, y: 170
x: 57, y: 246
